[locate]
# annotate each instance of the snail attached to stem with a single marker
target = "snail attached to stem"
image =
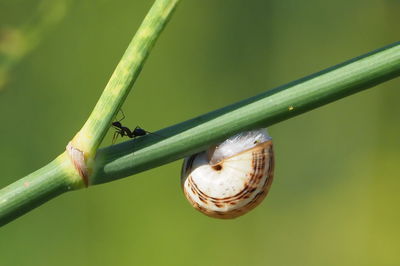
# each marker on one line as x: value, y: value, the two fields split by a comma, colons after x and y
x: 230, y: 179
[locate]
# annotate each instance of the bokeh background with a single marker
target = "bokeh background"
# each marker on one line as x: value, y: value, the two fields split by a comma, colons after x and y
x: 335, y: 198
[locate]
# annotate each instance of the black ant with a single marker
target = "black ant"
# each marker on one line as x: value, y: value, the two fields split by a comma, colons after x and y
x: 125, y: 131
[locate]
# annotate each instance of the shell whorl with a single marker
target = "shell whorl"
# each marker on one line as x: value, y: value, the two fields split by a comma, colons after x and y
x: 231, y: 187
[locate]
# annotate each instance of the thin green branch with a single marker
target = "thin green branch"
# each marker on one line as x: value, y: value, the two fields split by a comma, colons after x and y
x: 90, y: 136
x: 72, y: 168
x: 263, y: 110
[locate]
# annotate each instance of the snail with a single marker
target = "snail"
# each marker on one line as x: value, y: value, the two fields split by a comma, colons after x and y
x: 230, y: 179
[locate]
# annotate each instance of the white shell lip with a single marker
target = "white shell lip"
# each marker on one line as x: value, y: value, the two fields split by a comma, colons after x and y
x: 237, y: 182
x: 238, y: 143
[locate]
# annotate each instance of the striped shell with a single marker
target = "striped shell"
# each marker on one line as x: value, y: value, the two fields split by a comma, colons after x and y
x: 232, y: 184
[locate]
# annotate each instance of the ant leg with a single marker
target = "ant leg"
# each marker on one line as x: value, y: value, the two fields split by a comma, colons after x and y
x: 115, y: 136
x: 113, y: 139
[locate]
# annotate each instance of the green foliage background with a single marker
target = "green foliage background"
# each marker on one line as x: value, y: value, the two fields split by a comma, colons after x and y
x: 335, y: 197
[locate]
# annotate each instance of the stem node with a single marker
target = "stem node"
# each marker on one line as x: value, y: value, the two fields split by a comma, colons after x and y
x: 77, y: 158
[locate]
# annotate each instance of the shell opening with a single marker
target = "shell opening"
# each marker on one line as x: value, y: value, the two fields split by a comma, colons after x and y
x: 217, y: 167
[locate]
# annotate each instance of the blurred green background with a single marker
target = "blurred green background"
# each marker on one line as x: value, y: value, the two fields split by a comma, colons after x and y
x: 335, y: 198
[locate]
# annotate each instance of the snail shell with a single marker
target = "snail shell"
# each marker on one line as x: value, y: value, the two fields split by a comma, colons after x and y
x: 232, y: 178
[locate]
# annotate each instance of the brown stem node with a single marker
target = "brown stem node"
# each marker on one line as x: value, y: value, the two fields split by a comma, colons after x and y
x: 78, y: 159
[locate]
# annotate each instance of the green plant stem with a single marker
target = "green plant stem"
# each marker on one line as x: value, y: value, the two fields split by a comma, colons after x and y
x: 150, y: 151
x: 90, y: 136
x: 260, y: 111
x: 61, y: 175
x: 38, y: 187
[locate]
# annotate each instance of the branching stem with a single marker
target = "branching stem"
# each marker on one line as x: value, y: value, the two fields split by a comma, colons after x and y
x: 118, y: 161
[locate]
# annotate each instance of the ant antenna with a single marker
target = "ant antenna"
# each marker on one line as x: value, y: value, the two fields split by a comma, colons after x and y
x: 123, y: 115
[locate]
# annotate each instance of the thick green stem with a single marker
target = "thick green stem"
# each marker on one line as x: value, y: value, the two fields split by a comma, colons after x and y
x: 35, y: 189
x: 260, y: 111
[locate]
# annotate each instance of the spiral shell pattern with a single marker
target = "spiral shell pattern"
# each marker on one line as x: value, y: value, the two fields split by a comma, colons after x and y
x: 231, y: 187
